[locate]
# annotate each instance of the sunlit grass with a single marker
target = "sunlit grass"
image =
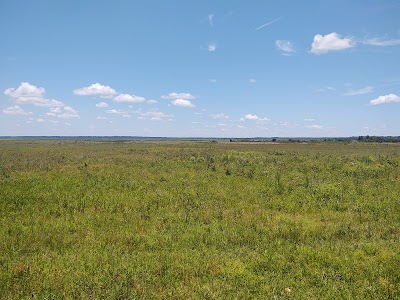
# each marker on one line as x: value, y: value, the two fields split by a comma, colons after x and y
x: 199, y: 220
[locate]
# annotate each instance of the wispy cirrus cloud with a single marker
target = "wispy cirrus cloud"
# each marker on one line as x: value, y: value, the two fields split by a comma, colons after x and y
x: 219, y: 116
x: 16, y: 111
x: 210, y: 18
x: 286, y: 47
x: 155, y: 115
x: 331, y: 42
x: 362, y: 91
x: 323, y: 89
x: 315, y: 126
x: 268, y: 23
x: 68, y: 113
x: 386, y: 99
x: 381, y: 42
x: 212, y: 47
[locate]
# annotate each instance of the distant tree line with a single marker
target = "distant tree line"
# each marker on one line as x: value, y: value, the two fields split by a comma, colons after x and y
x: 363, y: 139
x: 379, y: 139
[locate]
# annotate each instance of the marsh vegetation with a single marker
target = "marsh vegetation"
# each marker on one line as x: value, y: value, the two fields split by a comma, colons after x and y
x: 199, y: 220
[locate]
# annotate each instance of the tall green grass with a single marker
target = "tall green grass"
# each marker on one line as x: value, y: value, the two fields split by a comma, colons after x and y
x: 199, y: 220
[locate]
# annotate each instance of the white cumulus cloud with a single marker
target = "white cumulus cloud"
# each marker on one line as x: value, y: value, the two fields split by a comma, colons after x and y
x: 391, y: 98
x: 102, y: 104
x: 27, y: 93
x: 128, y: 98
x: 254, y: 118
x: 105, y: 91
x: 330, y: 42
x: 96, y: 89
x: 116, y: 112
x: 172, y: 96
x: 66, y: 112
x: 250, y: 117
x: 25, y: 90
x: 182, y: 103
x: 15, y: 111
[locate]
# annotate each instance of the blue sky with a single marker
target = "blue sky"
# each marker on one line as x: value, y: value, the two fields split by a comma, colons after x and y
x: 200, y: 68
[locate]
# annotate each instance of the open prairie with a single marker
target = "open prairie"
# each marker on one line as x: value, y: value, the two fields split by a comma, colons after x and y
x: 199, y: 220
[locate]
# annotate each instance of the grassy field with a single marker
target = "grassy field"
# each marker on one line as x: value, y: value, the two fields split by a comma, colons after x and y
x: 199, y: 220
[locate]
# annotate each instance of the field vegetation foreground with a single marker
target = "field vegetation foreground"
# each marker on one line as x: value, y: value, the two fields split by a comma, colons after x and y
x: 199, y: 220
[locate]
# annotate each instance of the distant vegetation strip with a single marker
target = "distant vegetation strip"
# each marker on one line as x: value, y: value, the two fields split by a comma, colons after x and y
x: 365, y: 139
